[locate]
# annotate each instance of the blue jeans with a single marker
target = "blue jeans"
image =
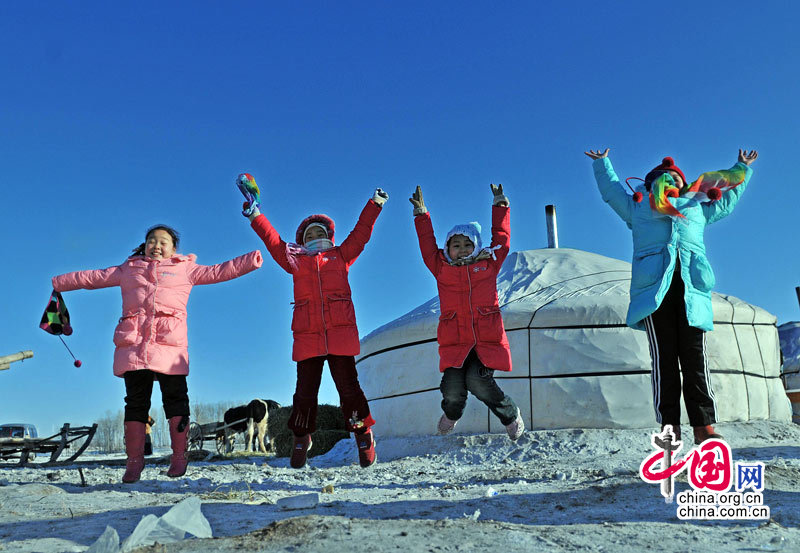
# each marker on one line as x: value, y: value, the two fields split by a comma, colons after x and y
x: 474, y: 377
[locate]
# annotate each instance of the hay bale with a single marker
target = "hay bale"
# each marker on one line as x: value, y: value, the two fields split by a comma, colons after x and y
x: 330, y: 429
x: 323, y: 441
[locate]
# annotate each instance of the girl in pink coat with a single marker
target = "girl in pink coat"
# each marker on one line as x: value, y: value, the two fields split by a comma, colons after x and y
x: 324, y: 320
x: 151, y: 334
x: 471, y: 336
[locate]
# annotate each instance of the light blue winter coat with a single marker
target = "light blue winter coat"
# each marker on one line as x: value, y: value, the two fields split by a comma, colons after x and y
x: 658, y: 239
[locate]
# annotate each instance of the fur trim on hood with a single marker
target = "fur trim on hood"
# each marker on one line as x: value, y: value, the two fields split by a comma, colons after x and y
x: 323, y: 219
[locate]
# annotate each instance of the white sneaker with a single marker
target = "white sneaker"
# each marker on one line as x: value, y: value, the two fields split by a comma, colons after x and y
x: 445, y: 425
x: 516, y: 427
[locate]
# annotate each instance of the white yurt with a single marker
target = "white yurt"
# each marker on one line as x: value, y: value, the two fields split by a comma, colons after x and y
x: 575, y: 362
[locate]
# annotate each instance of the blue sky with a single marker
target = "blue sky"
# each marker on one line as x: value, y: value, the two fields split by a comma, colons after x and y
x: 113, y: 118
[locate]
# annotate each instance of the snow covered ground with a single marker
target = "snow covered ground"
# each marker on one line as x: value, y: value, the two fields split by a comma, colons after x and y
x: 558, y: 490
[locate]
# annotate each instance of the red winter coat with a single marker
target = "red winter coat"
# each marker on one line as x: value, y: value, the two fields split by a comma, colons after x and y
x: 470, y: 314
x: 324, y: 320
x: 151, y: 333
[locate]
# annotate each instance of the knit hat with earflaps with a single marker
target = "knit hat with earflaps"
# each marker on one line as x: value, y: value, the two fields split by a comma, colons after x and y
x: 319, y: 218
x: 471, y: 230
x: 667, y: 164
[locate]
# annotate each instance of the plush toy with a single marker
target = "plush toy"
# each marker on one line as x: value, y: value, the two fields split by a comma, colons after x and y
x: 249, y: 189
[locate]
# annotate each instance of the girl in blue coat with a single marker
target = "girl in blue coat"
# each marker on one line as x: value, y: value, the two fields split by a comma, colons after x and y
x: 671, y: 278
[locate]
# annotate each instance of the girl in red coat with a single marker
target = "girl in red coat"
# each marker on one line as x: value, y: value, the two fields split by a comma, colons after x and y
x: 472, y: 340
x: 324, y: 321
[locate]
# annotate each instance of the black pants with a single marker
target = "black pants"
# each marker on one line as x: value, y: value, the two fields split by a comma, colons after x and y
x: 139, y: 388
x: 674, y: 344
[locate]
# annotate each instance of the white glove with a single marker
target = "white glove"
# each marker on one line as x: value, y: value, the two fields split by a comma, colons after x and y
x: 499, y: 198
x: 380, y: 197
x: 256, y: 212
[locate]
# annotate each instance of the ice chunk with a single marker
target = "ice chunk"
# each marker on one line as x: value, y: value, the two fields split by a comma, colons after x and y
x: 152, y: 529
x: 108, y: 542
x: 187, y: 516
x: 172, y: 526
x: 302, y: 501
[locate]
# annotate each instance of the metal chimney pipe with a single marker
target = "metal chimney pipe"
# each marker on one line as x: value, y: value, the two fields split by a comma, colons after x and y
x: 552, y: 229
x: 797, y: 289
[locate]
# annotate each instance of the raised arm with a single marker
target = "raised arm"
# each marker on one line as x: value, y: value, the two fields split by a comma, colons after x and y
x: 353, y: 245
x: 714, y: 211
x: 424, y: 227
x: 501, y: 225
x: 272, y: 240
x: 87, y: 280
x: 610, y: 187
x: 236, y: 267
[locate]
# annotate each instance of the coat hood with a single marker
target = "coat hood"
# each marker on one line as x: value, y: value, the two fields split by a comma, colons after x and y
x: 320, y: 218
x: 471, y: 230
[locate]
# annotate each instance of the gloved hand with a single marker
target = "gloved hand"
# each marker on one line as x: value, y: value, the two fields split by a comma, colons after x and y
x: 251, y: 209
x: 418, y: 203
x: 249, y: 189
x: 380, y: 197
x: 499, y: 198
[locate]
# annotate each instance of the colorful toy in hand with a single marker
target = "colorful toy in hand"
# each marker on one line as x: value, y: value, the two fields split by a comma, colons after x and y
x: 249, y: 189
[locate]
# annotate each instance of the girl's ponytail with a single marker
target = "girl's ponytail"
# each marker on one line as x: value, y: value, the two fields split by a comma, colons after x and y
x: 138, y: 250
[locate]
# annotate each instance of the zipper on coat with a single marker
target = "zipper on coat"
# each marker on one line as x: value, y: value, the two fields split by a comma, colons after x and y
x: 471, y: 312
x: 471, y: 317
x: 153, y: 318
x: 322, y: 305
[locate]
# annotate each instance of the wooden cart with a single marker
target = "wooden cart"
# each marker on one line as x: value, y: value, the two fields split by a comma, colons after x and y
x: 214, y: 431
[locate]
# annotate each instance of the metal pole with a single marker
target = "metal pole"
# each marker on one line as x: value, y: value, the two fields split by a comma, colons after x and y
x: 797, y: 289
x: 552, y: 227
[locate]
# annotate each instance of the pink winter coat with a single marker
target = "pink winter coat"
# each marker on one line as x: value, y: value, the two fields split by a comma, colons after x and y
x: 324, y: 319
x: 151, y: 333
x: 470, y: 313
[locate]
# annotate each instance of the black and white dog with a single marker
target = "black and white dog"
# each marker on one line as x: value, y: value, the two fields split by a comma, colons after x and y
x: 253, y: 418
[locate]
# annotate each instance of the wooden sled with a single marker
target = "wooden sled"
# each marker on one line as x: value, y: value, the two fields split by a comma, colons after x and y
x: 28, y: 448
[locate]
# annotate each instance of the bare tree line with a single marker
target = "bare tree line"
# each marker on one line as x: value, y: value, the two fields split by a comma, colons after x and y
x: 109, y: 437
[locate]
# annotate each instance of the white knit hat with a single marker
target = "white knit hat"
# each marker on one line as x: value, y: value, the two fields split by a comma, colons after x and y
x: 472, y: 231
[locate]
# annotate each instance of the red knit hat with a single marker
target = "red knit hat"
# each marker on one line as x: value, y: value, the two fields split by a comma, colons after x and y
x: 667, y: 164
x: 320, y: 218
